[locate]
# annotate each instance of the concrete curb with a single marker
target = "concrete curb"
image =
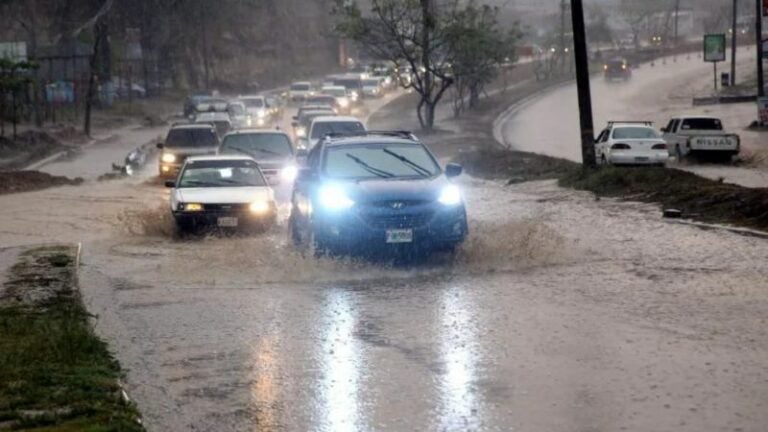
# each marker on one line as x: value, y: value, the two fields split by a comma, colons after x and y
x: 747, y: 232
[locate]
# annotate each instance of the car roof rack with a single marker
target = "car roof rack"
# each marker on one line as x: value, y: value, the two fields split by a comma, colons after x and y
x: 642, y: 122
x: 404, y: 134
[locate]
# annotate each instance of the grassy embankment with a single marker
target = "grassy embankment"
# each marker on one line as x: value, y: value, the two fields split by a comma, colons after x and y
x: 56, y: 375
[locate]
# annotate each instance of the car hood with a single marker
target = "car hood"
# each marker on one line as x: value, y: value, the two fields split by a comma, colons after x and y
x: 224, y: 195
x: 405, y: 190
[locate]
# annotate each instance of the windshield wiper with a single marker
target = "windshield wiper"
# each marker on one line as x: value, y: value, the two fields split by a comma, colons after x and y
x: 370, y: 169
x: 413, y: 165
x: 188, y: 183
x: 241, y: 151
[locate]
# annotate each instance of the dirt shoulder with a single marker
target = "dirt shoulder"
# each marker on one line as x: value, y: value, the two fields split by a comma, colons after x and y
x: 26, y: 181
x: 57, y: 375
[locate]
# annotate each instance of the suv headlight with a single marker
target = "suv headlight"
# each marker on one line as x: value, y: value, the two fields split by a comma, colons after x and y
x: 261, y: 113
x: 289, y: 173
x: 334, y: 197
x: 168, y: 158
x: 450, y: 196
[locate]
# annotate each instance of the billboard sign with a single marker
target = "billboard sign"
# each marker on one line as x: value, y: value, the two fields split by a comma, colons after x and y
x: 714, y: 48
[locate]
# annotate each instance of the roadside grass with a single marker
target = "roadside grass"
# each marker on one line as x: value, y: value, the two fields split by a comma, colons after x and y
x: 513, y: 166
x: 697, y: 197
x: 56, y: 375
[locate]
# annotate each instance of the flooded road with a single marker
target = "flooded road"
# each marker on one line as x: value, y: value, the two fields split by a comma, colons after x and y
x: 561, y: 313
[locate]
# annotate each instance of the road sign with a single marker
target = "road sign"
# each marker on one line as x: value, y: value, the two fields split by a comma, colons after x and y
x: 714, y: 48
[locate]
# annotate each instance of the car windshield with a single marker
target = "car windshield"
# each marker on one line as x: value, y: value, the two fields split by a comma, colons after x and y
x: 300, y: 87
x: 380, y: 161
x: 634, y: 133
x: 335, y: 92
x: 326, y: 100
x: 236, y: 110
x: 336, y: 128
x: 198, y: 137
x: 371, y: 82
x: 702, y: 124
x: 254, y: 102
x: 258, y: 145
x: 224, y: 173
x: 348, y: 83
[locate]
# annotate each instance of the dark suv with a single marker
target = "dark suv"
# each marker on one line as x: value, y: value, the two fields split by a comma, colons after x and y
x: 183, y: 141
x: 376, y: 193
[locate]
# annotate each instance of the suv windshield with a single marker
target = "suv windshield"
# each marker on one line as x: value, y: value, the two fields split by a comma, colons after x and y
x: 258, y: 145
x: 634, y: 133
x: 380, y: 161
x: 254, y: 102
x: 300, y: 87
x: 335, y: 91
x: 197, y: 137
x: 701, y: 124
x: 371, y: 83
x: 225, y: 173
x: 336, y: 128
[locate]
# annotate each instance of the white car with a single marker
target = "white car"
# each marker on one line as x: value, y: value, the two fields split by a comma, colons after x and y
x: 373, y: 88
x: 258, y: 109
x: 331, y: 125
x: 220, y: 120
x: 631, y: 143
x: 340, y: 93
x: 225, y: 192
x: 271, y: 149
x: 300, y: 91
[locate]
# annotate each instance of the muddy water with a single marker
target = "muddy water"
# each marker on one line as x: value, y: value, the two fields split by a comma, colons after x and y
x: 560, y: 313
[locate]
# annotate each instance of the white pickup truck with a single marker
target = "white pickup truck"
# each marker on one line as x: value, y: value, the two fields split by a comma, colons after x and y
x: 700, y: 135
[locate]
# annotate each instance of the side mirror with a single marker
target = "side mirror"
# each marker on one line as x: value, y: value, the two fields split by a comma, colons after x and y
x: 170, y: 184
x: 453, y: 170
x: 160, y: 145
x: 664, y: 130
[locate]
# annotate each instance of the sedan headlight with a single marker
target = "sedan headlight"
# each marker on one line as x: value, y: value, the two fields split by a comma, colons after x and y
x: 301, y: 132
x: 193, y: 207
x: 259, y: 207
x: 343, y: 102
x: 334, y: 197
x: 168, y: 158
x: 450, y: 196
x: 289, y: 173
x: 261, y: 113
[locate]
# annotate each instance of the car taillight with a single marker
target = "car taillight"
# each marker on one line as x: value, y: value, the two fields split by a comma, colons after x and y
x: 621, y: 147
x: 660, y: 146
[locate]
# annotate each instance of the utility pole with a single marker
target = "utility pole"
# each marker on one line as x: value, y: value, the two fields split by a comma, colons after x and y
x: 677, y: 24
x: 562, y: 36
x: 734, y: 37
x: 582, y: 84
x: 759, y: 36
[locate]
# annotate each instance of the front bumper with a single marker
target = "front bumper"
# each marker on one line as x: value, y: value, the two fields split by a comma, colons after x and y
x: 208, y: 219
x: 169, y: 170
x: 361, y: 232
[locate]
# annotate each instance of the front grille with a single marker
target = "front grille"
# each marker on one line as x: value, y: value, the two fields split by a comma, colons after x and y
x: 389, y: 221
x: 226, y: 207
x: 398, y: 204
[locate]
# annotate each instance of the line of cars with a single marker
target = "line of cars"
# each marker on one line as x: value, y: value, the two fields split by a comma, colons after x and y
x: 639, y: 143
x: 351, y: 190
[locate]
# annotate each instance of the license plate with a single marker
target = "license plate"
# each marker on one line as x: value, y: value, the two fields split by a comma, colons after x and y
x: 400, y: 236
x: 228, y: 222
x: 642, y: 159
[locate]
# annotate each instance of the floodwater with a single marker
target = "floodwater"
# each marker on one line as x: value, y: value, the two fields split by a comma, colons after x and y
x: 561, y: 313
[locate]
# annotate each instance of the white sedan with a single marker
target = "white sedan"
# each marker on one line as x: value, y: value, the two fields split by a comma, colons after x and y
x: 631, y: 143
x: 224, y: 192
